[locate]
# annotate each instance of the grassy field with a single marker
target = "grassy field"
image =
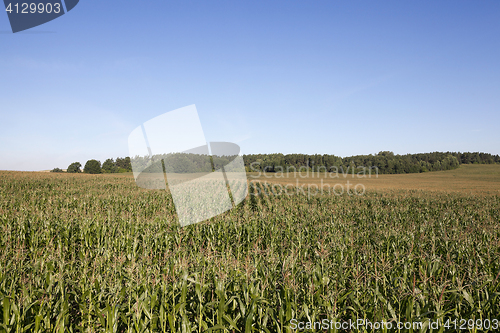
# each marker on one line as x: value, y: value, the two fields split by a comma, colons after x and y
x: 95, y: 253
x: 469, y: 178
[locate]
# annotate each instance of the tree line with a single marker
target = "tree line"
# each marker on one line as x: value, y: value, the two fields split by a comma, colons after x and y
x: 184, y: 163
x: 173, y: 163
x: 94, y: 166
x: 385, y: 162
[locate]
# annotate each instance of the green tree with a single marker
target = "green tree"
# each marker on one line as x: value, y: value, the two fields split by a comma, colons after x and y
x: 109, y: 166
x: 123, y: 164
x: 93, y: 167
x: 74, y: 167
x: 57, y: 170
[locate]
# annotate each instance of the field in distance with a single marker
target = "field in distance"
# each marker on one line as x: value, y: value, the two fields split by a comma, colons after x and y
x: 468, y: 178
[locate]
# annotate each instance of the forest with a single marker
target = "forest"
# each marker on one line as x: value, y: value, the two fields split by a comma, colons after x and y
x: 385, y: 162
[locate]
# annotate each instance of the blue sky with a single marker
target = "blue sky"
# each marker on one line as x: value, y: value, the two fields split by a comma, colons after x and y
x: 328, y: 77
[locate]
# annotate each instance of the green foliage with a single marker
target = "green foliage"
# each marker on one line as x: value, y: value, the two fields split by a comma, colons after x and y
x: 92, y: 167
x: 57, y: 170
x: 123, y: 163
x: 109, y: 166
x: 99, y: 254
x: 74, y: 167
x: 175, y: 163
x: 386, y: 162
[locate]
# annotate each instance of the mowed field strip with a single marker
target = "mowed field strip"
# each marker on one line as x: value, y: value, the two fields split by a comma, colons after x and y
x: 470, y: 178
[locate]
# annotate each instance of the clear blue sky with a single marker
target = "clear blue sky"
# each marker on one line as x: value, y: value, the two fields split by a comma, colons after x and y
x: 328, y: 77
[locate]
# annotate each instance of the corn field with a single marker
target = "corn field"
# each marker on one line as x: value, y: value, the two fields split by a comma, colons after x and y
x: 82, y: 253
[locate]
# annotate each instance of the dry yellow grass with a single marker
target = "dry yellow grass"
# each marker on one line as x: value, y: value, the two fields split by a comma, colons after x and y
x: 472, y: 178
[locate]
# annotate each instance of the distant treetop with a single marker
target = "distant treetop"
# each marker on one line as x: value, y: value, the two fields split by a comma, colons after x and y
x: 92, y: 167
x: 74, y: 167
